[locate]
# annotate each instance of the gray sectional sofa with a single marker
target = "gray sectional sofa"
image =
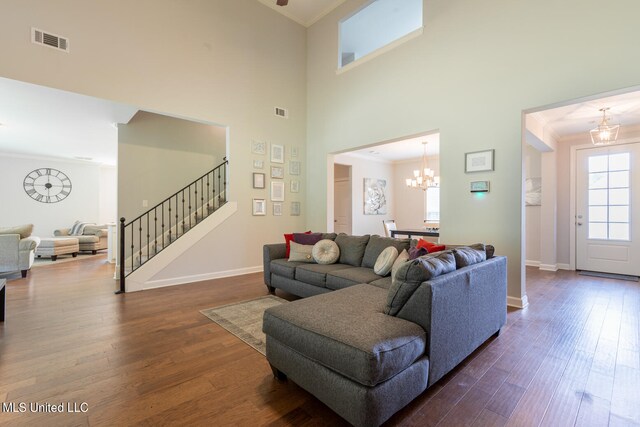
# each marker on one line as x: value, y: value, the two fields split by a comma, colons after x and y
x: 365, y: 346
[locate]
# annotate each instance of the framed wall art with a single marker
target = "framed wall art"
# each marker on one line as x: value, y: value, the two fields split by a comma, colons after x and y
x: 375, y: 197
x: 294, y: 186
x: 258, y: 180
x: 294, y: 152
x: 258, y: 147
x: 277, y: 191
x: 479, y: 161
x: 277, y: 172
x: 277, y: 153
x: 295, y: 208
x: 259, y: 207
x: 258, y: 164
x: 294, y: 167
x: 277, y: 209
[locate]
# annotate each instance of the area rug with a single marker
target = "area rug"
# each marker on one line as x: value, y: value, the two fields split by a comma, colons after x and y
x: 244, y: 319
x: 62, y: 259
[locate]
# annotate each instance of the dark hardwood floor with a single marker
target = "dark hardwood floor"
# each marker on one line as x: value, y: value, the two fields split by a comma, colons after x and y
x: 150, y: 358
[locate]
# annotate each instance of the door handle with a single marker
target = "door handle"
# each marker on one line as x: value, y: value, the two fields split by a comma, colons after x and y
x: 579, y: 223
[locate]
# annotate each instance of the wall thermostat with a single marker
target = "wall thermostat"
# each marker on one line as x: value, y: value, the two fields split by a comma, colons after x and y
x: 479, y: 186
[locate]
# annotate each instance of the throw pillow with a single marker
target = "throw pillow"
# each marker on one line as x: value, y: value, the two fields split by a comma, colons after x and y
x: 377, y: 244
x: 301, y: 253
x: 399, y: 262
x: 23, y: 230
x: 429, y: 246
x: 415, y: 252
x: 307, y: 238
x: 352, y: 248
x: 288, y: 238
x: 466, y: 255
x: 385, y: 261
x: 326, y: 251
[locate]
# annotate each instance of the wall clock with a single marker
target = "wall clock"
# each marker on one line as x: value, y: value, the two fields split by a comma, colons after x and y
x: 47, y: 185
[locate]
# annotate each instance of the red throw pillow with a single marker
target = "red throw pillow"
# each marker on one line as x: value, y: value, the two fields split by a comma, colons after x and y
x: 430, y: 247
x: 288, y: 238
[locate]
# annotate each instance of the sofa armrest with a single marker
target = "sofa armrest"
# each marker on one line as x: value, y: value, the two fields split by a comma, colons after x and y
x: 9, y: 252
x: 269, y: 253
x: 29, y: 243
x: 62, y: 232
x: 459, y: 311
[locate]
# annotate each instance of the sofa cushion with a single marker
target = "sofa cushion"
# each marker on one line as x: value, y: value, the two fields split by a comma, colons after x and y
x: 347, y: 332
x: 316, y: 274
x: 469, y: 255
x: 348, y: 277
x: 23, y: 230
x: 285, y: 268
x: 377, y: 244
x: 385, y: 261
x: 326, y: 251
x: 87, y: 239
x: 352, y: 248
x: 412, y: 274
x: 330, y: 236
x: 384, y: 283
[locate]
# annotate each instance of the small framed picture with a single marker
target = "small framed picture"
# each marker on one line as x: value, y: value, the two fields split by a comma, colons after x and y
x: 258, y: 180
x: 277, y: 153
x: 277, y: 172
x: 258, y: 164
x: 295, y: 208
x: 259, y: 207
x: 258, y: 147
x: 277, y: 209
x: 277, y: 191
x: 294, y: 152
x: 295, y: 186
x: 294, y: 167
x: 479, y: 161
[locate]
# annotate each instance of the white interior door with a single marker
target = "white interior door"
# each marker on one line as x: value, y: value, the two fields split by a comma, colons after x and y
x: 607, y: 198
x: 342, y: 206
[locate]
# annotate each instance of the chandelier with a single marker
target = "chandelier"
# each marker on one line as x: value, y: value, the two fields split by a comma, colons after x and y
x: 605, y: 133
x: 425, y: 177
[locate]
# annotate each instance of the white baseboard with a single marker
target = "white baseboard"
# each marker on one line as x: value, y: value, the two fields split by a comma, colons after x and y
x: 201, y: 277
x: 517, y: 302
x: 531, y: 263
x: 565, y: 267
x: 549, y: 267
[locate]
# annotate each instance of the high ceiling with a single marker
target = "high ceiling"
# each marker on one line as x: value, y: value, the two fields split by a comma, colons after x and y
x: 40, y: 121
x: 402, y: 150
x: 624, y: 109
x: 304, y: 12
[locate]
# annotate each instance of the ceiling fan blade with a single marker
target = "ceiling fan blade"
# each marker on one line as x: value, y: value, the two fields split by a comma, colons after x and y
x: 282, y: 2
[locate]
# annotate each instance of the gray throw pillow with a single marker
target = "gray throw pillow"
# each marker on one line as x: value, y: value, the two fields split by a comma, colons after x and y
x: 413, y: 273
x: 23, y: 230
x: 377, y: 244
x: 352, y: 248
x: 301, y: 253
x: 469, y: 255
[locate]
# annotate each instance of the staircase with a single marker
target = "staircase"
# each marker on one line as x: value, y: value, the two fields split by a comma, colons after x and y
x: 150, y: 233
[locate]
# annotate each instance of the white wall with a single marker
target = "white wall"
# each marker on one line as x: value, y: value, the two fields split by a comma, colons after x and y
x: 409, y: 202
x: 532, y: 168
x: 90, y: 199
x: 226, y: 62
x: 108, y: 197
x: 477, y: 66
x: 362, y: 168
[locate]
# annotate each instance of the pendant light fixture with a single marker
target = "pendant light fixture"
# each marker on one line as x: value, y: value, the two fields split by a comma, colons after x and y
x: 424, y: 177
x: 605, y: 133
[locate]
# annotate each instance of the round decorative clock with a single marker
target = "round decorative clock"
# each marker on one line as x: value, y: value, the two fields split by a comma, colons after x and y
x: 47, y: 185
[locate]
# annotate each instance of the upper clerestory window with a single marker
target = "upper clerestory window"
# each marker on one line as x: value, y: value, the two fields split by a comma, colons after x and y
x: 376, y: 25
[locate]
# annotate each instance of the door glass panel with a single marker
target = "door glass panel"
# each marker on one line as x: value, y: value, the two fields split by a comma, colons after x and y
x: 597, y: 230
x: 597, y: 197
x: 598, y: 180
x: 618, y: 162
x: 618, y: 179
x: 609, y: 191
x: 619, y: 196
x: 598, y: 164
x: 618, y: 231
x: 598, y: 213
x: 618, y: 214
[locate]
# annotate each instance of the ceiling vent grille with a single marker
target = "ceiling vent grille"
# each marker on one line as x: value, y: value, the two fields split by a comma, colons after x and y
x: 282, y: 112
x: 50, y: 40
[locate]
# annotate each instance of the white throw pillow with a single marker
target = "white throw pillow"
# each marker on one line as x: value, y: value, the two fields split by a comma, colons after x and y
x: 326, y: 252
x: 402, y: 258
x: 385, y: 261
x: 300, y: 253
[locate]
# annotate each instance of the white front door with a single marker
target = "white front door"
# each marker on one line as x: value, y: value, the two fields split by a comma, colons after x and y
x: 607, y: 199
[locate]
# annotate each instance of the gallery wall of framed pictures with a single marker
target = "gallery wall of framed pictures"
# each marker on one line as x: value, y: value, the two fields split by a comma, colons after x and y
x: 277, y: 170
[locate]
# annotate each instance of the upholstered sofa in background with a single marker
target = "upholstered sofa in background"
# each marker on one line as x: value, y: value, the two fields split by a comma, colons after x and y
x: 17, y: 249
x: 93, y: 238
x: 367, y: 350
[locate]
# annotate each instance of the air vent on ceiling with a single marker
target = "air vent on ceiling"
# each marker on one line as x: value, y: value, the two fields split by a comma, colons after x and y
x: 51, y: 40
x: 282, y: 112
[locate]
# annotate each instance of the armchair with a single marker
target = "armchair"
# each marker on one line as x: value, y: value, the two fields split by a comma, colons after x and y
x: 93, y: 238
x: 17, y: 249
